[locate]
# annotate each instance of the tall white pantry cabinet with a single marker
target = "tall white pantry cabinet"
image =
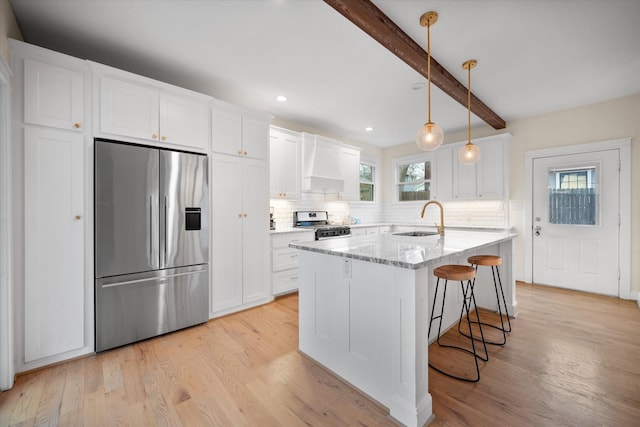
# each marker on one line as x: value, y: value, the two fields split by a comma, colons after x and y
x: 240, y: 245
x: 52, y: 215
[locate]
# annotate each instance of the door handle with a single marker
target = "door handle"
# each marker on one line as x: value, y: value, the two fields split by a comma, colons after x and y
x: 537, y: 230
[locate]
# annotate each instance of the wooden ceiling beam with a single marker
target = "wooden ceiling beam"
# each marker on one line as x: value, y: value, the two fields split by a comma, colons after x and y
x: 374, y: 22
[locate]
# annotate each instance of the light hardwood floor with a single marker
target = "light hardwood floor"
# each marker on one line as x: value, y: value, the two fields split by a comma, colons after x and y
x: 572, y: 359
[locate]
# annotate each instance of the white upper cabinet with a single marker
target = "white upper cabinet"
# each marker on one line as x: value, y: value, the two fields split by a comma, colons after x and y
x: 128, y: 109
x: 238, y: 134
x: 184, y: 121
x: 284, y: 164
x: 490, y: 173
x: 441, y: 170
x: 487, y: 179
x: 53, y: 96
x: 350, y: 171
x: 135, y: 107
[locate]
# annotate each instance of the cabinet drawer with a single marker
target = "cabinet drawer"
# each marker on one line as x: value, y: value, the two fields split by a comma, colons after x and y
x: 285, y: 281
x: 282, y: 241
x: 284, y: 259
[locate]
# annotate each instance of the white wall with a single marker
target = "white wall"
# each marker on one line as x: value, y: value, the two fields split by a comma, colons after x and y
x: 8, y: 28
x: 618, y: 118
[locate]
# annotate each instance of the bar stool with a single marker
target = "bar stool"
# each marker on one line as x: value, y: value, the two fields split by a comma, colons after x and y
x: 458, y: 273
x: 492, y: 261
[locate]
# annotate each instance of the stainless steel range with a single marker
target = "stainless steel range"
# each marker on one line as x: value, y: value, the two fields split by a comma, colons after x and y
x: 319, y: 221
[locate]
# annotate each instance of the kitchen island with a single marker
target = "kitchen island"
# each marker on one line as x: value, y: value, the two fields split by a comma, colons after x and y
x: 364, y: 305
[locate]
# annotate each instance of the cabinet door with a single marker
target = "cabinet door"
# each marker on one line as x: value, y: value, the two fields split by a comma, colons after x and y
x: 350, y: 171
x: 54, y: 289
x: 226, y: 232
x: 184, y: 121
x: 284, y: 166
x: 53, y: 96
x: 226, y: 132
x: 464, y: 181
x: 255, y: 138
x: 442, y: 168
x: 128, y: 109
x: 255, y: 231
x: 490, y: 170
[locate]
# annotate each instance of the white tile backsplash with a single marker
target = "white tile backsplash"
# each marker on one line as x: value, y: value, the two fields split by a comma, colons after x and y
x: 456, y: 214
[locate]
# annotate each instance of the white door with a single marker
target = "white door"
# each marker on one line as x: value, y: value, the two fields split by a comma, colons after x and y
x: 54, y: 288
x: 576, y: 221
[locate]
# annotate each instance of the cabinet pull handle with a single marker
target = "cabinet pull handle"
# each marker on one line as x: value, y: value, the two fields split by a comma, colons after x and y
x: 76, y: 125
x: 294, y: 277
x: 154, y: 136
x: 164, y: 138
x: 294, y: 256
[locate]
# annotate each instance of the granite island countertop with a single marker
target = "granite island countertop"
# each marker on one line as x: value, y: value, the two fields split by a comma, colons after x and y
x: 406, y: 251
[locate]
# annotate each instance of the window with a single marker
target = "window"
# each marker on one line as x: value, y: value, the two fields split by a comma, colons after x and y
x: 414, y: 180
x: 572, y: 196
x: 367, y: 182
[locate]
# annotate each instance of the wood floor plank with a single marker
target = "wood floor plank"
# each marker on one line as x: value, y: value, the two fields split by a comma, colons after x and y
x: 572, y: 359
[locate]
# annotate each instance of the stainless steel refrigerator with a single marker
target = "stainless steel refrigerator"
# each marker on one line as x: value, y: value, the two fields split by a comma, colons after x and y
x: 151, y: 242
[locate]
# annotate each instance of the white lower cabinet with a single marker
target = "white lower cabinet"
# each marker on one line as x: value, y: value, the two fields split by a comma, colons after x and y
x: 284, y: 260
x: 239, y: 233
x: 54, y: 252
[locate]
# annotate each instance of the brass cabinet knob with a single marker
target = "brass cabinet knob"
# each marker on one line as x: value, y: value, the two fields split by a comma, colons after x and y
x: 77, y: 217
x: 154, y: 136
x: 239, y: 215
x: 77, y: 125
x: 245, y: 153
x: 164, y: 138
x: 245, y: 215
x: 239, y: 151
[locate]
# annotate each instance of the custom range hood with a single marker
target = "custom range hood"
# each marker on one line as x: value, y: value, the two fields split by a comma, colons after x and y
x: 321, y: 172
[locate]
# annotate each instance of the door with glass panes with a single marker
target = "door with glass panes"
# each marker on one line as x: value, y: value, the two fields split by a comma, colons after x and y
x: 576, y: 221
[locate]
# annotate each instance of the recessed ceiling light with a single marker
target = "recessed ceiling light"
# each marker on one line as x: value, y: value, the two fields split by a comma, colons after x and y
x: 368, y: 129
x: 281, y: 98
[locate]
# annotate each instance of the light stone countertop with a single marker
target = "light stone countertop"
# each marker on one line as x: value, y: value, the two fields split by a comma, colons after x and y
x: 405, y: 251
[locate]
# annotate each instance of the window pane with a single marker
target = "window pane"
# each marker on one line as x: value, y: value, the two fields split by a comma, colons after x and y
x: 414, y: 172
x: 573, y: 197
x: 366, y: 172
x: 409, y: 192
x: 366, y: 192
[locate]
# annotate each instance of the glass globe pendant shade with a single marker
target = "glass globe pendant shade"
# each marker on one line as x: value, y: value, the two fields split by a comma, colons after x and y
x: 429, y: 137
x: 469, y: 154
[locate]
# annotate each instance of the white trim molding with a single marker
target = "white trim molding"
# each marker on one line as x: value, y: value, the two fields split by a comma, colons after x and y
x: 624, y: 243
x: 7, y: 368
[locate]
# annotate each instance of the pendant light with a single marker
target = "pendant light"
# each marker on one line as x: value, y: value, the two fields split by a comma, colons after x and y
x: 470, y: 153
x: 430, y: 136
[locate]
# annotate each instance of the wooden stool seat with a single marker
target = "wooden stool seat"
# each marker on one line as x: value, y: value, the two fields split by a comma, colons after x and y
x: 487, y: 260
x: 455, y: 272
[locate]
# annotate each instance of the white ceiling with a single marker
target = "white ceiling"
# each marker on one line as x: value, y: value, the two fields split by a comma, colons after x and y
x: 534, y: 56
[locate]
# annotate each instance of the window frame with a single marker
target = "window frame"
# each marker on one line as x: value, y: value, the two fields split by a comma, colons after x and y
x: 373, y: 162
x: 416, y: 158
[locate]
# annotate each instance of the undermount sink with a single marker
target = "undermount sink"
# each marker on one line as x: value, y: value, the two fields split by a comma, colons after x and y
x: 417, y: 233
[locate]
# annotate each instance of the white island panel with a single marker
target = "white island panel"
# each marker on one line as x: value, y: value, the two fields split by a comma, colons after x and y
x: 365, y: 304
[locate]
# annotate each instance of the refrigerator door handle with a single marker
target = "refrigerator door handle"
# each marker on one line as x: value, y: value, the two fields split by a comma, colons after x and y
x: 166, y: 236
x: 151, y: 233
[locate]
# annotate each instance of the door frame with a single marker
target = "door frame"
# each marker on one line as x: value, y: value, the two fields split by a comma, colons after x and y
x: 7, y: 368
x: 624, y: 242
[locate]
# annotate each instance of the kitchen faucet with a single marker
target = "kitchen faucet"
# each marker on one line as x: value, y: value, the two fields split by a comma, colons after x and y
x: 441, y: 226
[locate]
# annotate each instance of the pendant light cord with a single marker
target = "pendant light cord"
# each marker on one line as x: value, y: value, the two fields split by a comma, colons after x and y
x: 469, y: 107
x: 428, y: 73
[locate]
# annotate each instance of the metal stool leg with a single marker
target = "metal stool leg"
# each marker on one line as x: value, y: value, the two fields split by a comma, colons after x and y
x: 466, y: 307
x: 504, y: 300
x: 501, y: 328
